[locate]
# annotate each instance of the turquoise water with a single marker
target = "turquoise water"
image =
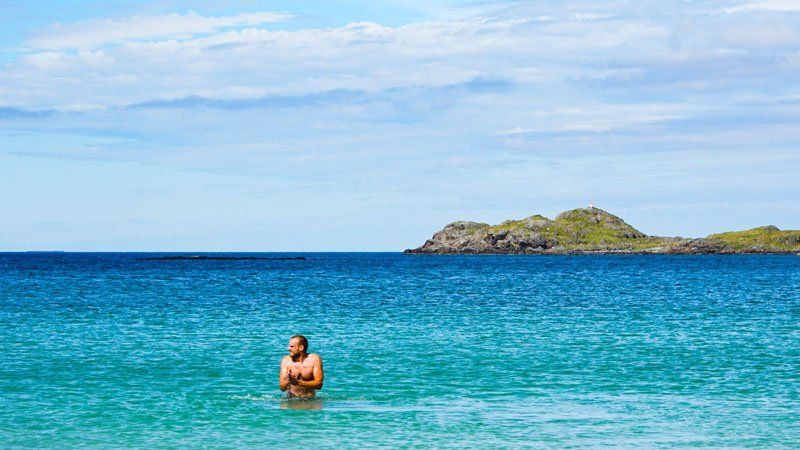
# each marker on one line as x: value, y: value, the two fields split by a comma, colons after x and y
x: 108, y: 350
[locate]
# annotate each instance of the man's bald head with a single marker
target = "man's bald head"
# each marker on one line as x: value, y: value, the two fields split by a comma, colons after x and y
x: 300, y: 341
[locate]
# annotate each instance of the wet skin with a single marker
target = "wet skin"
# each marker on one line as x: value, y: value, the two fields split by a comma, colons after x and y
x: 301, y: 373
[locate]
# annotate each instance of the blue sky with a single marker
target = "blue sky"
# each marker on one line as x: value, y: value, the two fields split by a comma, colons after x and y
x: 301, y: 126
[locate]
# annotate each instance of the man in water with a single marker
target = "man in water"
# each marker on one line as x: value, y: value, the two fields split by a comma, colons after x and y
x: 301, y: 372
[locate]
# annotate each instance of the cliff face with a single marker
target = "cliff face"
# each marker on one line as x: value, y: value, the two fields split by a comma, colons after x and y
x: 592, y: 230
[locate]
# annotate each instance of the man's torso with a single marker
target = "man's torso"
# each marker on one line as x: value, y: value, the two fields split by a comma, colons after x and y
x: 302, y: 370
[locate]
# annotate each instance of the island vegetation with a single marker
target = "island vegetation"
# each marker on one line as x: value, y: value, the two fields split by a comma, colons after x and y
x: 592, y: 230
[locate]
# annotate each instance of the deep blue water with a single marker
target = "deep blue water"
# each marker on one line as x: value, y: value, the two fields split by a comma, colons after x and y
x: 109, y: 350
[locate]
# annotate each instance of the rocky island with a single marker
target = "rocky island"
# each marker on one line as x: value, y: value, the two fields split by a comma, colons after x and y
x: 592, y: 230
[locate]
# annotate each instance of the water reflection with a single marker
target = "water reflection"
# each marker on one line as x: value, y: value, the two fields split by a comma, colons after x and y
x: 302, y: 403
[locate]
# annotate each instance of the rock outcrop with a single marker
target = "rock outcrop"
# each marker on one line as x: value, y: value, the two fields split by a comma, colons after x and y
x: 592, y: 230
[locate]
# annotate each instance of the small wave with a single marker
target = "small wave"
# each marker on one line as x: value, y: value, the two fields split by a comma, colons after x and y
x: 258, y: 398
x: 281, y: 397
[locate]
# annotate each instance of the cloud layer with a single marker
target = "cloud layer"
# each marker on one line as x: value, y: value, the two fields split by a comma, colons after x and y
x: 497, y: 111
x: 107, y: 63
x: 766, y: 5
x: 99, y: 32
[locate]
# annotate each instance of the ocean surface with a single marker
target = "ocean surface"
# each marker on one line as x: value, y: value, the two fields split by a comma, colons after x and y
x: 112, y: 350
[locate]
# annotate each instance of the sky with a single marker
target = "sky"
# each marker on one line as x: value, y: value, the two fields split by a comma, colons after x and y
x: 369, y: 125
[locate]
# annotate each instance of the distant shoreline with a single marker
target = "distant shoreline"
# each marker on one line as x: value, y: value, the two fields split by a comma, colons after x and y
x: 223, y: 258
x: 592, y: 231
x: 412, y: 252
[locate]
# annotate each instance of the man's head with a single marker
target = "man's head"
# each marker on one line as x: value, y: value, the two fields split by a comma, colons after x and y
x: 298, y: 345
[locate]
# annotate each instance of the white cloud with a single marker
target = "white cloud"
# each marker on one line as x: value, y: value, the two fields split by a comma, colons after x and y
x: 113, y: 63
x: 143, y: 60
x: 599, y: 118
x: 95, y: 33
x: 757, y: 35
x: 767, y: 5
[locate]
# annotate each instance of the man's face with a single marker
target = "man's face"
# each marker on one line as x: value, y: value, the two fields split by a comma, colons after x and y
x: 295, y: 348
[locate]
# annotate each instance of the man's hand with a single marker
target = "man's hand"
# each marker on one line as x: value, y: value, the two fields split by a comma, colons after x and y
x: 292, y: 379
x: 292, y: 374
x: 287, y: 378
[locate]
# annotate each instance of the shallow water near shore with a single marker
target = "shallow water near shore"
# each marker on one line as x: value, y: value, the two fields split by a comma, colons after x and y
x: 111, y: 350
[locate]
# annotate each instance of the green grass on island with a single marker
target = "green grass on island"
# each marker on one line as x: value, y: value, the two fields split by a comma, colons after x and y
x: 577, y: 230
x: 769, y: 237
x: 594, y: 230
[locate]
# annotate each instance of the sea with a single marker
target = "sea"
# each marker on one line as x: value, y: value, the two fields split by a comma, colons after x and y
x: 113, y: 350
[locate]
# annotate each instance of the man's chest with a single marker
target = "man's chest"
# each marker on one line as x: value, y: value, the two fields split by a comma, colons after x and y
x: 306, y: 368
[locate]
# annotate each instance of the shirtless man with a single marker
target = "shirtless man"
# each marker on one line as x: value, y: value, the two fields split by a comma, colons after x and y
x: 301, y: 372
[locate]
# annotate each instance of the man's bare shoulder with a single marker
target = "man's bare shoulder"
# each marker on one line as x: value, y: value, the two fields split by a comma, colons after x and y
x: 286, y: 359
x: 314, y: 356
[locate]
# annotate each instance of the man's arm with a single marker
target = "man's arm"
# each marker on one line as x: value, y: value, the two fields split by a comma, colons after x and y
x: 283, y: 378
x: 316, y: 383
